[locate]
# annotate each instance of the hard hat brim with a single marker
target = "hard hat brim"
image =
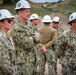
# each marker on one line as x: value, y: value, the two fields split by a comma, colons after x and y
x: 7, y: 17
x: 11, y: 17
x: 22, y: 8
x: 47, y: 21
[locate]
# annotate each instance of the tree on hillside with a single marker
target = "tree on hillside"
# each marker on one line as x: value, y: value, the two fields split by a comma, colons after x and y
x: 1, y: 1
x: 61, y: 0
x: 9, y: 1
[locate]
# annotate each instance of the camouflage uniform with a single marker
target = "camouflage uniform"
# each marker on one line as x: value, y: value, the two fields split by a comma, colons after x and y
x: 67, y: 49
x: 59, y: 33
x: 49, y: 38
x: 25, y: 48
x: 7, y: 55
x: 40, y: 57
x: 40, y: 61
x: 54, y: 47
x: 51, y: 60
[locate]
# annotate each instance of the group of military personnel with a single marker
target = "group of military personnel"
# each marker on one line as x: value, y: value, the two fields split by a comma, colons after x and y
x: 25, y: 49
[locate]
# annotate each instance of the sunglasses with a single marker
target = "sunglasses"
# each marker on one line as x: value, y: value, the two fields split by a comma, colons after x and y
x: 56, y: 22
x: 9, y: 21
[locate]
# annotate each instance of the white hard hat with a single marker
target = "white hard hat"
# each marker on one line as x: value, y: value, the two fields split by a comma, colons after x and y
x: 46, y: 18
x: 34, y: 16
x: 56, y: 19
x: 22, y: 4
x: 5, y: 14
x: 72, y: 17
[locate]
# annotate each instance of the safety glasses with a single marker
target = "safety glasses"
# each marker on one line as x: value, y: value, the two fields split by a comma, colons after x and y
x: 9, y: 20
x: 56, y: 22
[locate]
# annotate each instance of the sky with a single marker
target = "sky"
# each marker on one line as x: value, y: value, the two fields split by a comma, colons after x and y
x: 44, y: 1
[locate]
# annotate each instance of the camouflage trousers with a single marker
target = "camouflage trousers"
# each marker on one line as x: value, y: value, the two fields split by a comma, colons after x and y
x: 40, y: 62
x: 51, y: 61
x: 40, y: 69
x: 67, y: 70
x: 7, y: 70
x: 51, y: 69
x: 26, y: 69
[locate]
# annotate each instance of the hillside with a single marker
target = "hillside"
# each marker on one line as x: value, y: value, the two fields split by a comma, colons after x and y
x: 66, y: 7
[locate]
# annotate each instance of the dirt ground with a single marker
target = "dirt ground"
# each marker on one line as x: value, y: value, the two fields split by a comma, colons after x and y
x: 58, y: 68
